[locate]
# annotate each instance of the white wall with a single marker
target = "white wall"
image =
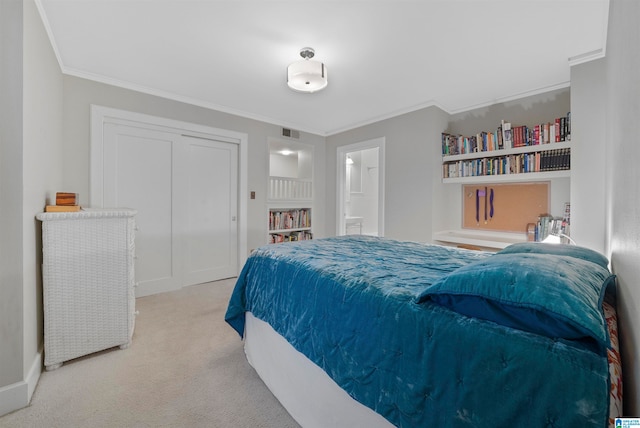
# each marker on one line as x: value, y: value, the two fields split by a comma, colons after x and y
x: 623, y: 183
x: 588, y: 154
x: 283, y: 166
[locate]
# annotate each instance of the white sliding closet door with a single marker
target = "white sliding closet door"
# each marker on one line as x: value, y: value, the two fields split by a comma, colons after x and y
x: 185, y: 191
x: 139, y: 174
x: 211, y: 219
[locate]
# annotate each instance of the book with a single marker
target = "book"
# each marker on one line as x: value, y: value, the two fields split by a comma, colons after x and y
x: 507, y: 135
x: 61, y: 208
x: 66, y: 198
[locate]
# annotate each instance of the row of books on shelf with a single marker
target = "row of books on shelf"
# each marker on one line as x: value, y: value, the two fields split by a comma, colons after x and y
x: 552, y: 160
x: 289, y: 219
x: 507, y: 136
x: 303, y: 235
x: 548, y: 225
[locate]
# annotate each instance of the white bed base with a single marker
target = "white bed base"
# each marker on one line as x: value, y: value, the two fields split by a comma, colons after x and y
x: 310, y: 396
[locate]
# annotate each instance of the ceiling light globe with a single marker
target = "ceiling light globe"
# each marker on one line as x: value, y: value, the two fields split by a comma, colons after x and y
x: 307, y: 76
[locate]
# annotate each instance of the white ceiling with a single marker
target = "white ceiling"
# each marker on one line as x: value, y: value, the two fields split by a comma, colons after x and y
x: 383, y: 57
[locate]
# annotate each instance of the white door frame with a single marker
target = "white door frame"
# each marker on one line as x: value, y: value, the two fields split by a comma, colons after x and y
x: 342, y: 151
x: 101, y: 115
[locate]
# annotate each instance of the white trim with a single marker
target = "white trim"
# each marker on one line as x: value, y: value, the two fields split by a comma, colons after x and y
x: 586, y: 57
x: 101, y: 115
x: 300, y: 127
x: 18, y: 395
x: 34, y: 373
x: 185, y: 99
x: 47, y: 27
x: 513, y: 97
x: 385, y: 116
x: 342, y: 151
x: 14, y: 397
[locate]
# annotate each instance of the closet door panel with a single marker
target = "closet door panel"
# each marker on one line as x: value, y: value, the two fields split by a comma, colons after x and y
x: 139, y: 175
x: 210, y: 227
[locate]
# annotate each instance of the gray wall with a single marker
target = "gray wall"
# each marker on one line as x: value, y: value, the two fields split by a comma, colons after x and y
x: 623, y: 182
x: 42, y: 167
x: 417, y: 203
x: 11, y: 303
x: 30, y: 172
x: 81, y: 93
x: 410, y: 169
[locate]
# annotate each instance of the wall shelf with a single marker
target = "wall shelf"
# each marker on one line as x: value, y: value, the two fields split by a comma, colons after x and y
x: 510, y: 178
x: 506, y: 152
x: 485, y: 239
x: 292, y: 224
x: 526, y: 163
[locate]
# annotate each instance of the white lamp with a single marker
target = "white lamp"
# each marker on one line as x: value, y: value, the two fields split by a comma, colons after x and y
x: 307, y: 75
x: 556, y: 238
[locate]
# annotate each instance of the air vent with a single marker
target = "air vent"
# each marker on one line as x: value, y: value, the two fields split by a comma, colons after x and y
x: 291, y: 133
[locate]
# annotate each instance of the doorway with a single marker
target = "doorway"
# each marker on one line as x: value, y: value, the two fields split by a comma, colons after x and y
x: 361, y: 188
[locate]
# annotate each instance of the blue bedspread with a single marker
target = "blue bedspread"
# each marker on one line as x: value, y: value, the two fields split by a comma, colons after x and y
x: 355, y: 307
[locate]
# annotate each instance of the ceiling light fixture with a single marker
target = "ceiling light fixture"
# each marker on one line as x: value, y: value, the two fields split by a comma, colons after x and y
x: 307, y: 75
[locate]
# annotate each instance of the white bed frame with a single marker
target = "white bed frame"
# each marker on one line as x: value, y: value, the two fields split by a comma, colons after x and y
x: 310, y: 396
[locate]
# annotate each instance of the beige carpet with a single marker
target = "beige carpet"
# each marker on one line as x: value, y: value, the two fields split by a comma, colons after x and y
x: 185, y: 368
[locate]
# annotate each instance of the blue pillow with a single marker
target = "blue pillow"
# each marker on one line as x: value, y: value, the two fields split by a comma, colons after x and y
x: 557, y: 249
x: 551, y: 295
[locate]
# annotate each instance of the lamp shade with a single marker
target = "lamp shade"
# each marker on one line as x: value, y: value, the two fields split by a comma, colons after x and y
x: 307, y: 75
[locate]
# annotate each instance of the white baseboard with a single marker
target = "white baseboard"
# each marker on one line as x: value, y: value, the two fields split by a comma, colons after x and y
x: 18, y: 395
x: 13, y: 397
x: 34, y: 373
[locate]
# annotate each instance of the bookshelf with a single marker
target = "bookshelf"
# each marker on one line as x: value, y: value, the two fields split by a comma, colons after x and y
x: 538, y: 154
x: 510, y: 154
x: 544, y: 162
x: 292, y: 224
x: 290, y: 191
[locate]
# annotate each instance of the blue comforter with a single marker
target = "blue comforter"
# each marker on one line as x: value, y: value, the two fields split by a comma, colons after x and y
x: 359, y: 308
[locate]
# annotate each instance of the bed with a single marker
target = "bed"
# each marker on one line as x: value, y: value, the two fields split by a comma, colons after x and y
x: 367, y: 331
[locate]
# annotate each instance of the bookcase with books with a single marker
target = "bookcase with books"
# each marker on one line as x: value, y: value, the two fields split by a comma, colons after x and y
x: 286, y: 225
x: 510, y: 153
x: 290, y: 191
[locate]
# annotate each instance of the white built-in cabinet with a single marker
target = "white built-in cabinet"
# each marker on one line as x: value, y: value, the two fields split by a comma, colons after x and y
x: 449, y: 229
x: 290, y: 191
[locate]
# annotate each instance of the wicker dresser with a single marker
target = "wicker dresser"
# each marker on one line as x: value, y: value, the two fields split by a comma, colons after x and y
x: 88, y: 279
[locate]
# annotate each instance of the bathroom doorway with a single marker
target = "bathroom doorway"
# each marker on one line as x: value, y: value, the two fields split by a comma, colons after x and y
x: 361, y: 188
